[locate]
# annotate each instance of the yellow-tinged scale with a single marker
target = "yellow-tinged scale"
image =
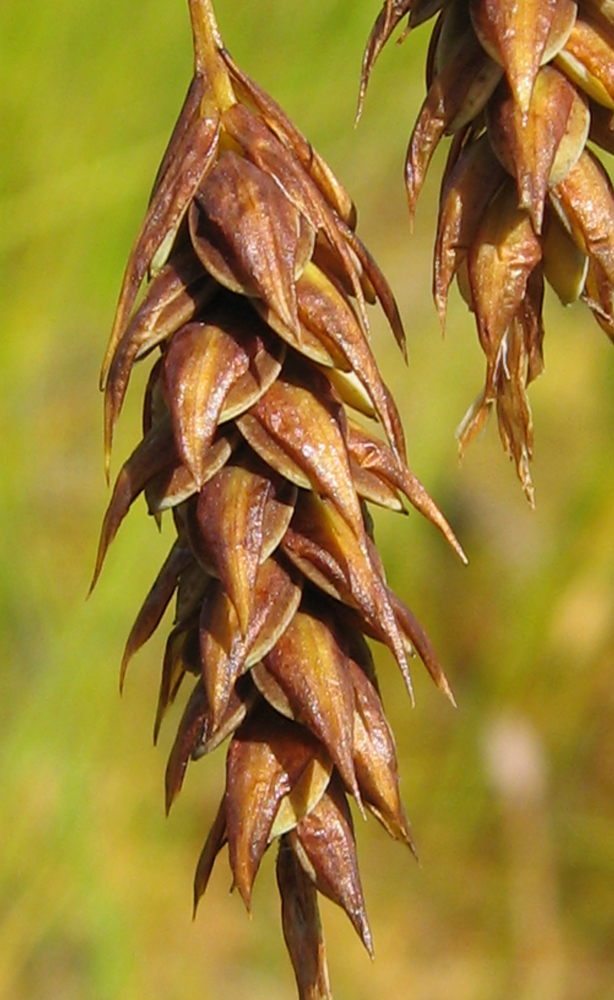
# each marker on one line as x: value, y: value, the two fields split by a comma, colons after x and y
x: 587, y: 81
x: 305, y: 795
x: 565, y: 266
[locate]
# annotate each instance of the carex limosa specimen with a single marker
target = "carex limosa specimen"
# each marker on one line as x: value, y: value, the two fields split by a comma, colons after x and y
x: 525, y: 88
x: 266, y: 430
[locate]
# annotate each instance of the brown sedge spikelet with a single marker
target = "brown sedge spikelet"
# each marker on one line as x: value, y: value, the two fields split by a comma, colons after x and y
x: 248, y: 286
x: 525, y: 89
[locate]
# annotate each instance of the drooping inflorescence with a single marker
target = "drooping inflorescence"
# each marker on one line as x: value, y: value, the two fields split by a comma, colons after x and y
x: 526, y: 90
x: 266, y: 430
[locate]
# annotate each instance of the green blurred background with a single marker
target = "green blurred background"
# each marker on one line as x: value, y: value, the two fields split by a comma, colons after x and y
x: 511, y: 796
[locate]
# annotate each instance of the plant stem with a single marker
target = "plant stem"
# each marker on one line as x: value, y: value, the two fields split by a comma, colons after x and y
x: 207, y: 45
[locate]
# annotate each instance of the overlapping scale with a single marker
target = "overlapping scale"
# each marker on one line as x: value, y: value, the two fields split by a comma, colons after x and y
x: 552, y: 217
x: 254, y: 312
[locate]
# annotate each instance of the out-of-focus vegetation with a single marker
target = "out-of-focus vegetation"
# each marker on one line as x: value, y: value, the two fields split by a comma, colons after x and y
x: 511, y: 796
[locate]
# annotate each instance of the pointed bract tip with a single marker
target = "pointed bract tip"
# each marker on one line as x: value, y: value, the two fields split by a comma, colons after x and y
x: 122, y: 673
x: 366, y: 937
x: 447, y: 690
x: 95, y: 575
x: 409, y: 686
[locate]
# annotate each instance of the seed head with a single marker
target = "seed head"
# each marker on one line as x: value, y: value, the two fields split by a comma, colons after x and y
x: 521, y: 87
x: 266, y: 429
